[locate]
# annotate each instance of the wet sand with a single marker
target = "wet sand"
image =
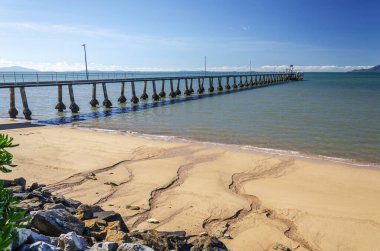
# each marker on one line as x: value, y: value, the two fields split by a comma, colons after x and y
x: 259, y: 199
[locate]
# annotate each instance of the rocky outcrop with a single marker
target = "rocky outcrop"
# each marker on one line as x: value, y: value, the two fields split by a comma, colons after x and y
x: 64, y: 224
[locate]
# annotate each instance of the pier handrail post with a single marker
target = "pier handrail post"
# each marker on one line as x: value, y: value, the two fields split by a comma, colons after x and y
x: 27, y: 113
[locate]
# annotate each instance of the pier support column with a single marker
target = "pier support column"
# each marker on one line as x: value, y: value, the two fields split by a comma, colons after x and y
x: 187, y: 92
x: 12, y: 104
x: 134, y: 99
x: 106, y: 103
x: 234, y: 85
x: 27, y: 113
x: 144, y: 96
x: 162, y: 93
x: 220, y: 87
x: 178, y: 91
x: 200, y: 89
x: 60, y: 105
x: 94, y: 102
x: 228, y: 84
x: 172, y: 93
x: 255, y: 83
x: 246, y: 81
x: 211, y: 87
x: 73, y: 107
x: 191, y: 86
x: 155, y: 97
x: 251, y: 81
x: 241, y: 82
x: 122, y: 99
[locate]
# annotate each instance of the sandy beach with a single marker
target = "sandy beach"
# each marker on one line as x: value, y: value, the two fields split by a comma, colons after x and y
x: 259, y: 199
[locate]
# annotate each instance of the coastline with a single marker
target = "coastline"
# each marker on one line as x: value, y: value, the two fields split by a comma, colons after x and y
x: 262, y: 198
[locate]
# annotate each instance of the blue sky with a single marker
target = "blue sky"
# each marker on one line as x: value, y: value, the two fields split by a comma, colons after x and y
x: 327, y: 35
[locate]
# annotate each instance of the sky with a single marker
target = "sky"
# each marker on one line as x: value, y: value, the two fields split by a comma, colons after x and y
x: 171, y: 35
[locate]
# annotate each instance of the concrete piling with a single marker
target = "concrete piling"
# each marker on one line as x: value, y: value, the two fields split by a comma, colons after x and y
x: 178, y: 91
x: 220, y: 87
x: 162, y: 93
x: 144, y: 96
x: 246, y: 84
x: 73, y: 106
x: 106, y: 103
x: 234, y: 84
x: 172, y: 93
x: 27, y: 113
x: 187, y: 92
x: 228, y: 84
x: 134, y: 99
x: 155, y: 97
x: 60, y: 105
x: 94, y: 102
x: 191, y: 86
x: 12, y: 104
x: 211, y: 87
x: 241, y: 82
x: 122, y: 99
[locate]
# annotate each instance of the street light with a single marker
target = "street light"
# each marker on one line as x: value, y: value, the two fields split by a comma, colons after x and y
x: 85, y: 59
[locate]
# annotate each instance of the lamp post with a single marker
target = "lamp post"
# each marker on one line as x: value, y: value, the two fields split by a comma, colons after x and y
x: 85, y: 59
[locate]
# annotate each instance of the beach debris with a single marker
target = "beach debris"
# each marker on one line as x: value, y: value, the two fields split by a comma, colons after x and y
x: 130, y: 207
x: 279, y: 246
x: 153, y: 221
x: 227, y: 236
x: 92, y: 176
x: 203, y: 234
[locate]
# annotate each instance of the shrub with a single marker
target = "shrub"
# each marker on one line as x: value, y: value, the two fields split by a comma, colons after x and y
x: 5, y: 156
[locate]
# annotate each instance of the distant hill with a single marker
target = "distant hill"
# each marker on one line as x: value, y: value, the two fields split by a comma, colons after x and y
x: 373, y: 69
x: 17, y: 68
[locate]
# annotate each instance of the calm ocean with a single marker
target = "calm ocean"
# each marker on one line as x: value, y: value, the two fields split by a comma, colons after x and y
x: 329, y: 114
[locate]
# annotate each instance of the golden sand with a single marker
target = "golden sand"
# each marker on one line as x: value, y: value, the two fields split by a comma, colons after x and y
x: 259, y: 199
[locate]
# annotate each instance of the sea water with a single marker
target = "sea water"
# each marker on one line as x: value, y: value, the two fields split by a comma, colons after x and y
x: 328, y: 114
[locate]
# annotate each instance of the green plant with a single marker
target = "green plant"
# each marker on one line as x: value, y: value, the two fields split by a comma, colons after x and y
x: 5, y: 156
x: 10, y: 218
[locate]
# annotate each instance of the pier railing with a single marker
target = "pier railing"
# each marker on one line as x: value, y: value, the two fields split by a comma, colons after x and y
x: 233, y: 81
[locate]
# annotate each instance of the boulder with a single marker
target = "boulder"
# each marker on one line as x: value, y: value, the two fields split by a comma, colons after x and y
x: 106, y: 246
x: 161, y: 241
x: 117, y: 236
x: 110, y: 216
x: 35, y: 237
x: 54, y: 206
x: 133, y: 247
x: 16, y: 189
x: 72, y: 242
x: 95, y: 225
x: 22, y: 236
x: 207, y: 243
x: 56, y: 222
x: 33, y: 187
x: 40, y: 246
x: 19, y: 182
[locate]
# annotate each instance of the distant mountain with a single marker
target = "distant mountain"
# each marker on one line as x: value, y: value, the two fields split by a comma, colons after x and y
x: 17, y: 68
x: 373, y: 69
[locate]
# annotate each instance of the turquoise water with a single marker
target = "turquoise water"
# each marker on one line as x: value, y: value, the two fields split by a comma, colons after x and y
x: 328, y: 114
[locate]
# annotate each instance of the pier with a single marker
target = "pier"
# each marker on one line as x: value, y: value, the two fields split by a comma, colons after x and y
x: 166, y: 89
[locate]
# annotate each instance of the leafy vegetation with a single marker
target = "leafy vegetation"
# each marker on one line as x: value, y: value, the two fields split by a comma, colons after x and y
x: 5, y: 156
x: 10, y: 218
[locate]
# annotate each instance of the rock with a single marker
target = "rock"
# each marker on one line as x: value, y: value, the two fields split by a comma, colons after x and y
x: 56, y: 222
x: 106, y: 246
x: 54, y: 206
x: 133, y: 247
x: 16, y: 189
x: 85, y: 214
x: 42, y: 246
x: 111, y: 184
x: 35, y: 237
x: 22, y: 236
x: 279, y: 246
x: 130, y: 207
x: 117, y: 236
x: 153, y: 221
x: 71, y: 242
x: 110, y: 216
x: 203, y: 234
x: 72, y: 203
x: 208, y: 243
x: 161, y: 241
x: 227, y: 236
x: 19, y: 182
x: 29, y: 205
x: 95, y: 224
x: 21, y: 196
x: 33, y: 187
